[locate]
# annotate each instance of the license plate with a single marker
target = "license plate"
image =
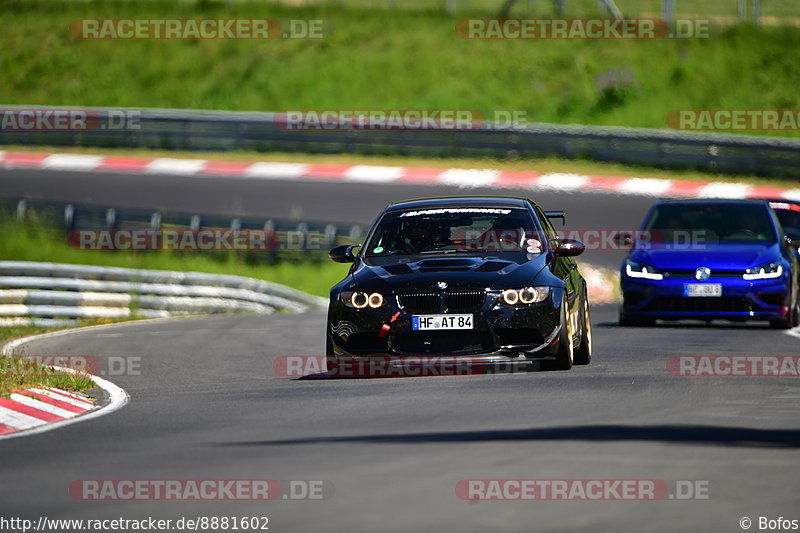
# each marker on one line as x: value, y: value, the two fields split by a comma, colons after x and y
x: 426, y: 322
x: 702, y: 289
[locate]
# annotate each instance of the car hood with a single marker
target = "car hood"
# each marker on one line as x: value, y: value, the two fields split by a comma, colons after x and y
x: 725, y: 256
x: 459, y: 272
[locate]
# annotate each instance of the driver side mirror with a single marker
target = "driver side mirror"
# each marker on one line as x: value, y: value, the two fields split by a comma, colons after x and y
x: 343, y: 253
x: 567, y: 247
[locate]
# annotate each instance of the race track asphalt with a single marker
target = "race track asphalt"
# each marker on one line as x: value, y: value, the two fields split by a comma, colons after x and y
x: 207, y: 404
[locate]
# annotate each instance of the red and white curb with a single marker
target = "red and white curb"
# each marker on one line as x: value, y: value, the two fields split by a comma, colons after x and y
x: 40, y: 409
x: 463, y: 178
x: 35, y: 407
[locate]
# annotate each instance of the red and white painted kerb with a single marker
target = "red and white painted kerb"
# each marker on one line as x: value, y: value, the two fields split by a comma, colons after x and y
x: 34, y: 407
x: 463, y: 178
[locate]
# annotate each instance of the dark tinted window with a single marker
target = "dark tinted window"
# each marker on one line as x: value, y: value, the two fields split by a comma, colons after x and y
x: 456, y: 229
x: 714, y: 222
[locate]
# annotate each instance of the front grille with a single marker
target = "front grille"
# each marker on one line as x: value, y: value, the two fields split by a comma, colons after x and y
x: 518, y: 336
x: 427, y: 302
x: 443, y: 342
x: 464, y: 301
x: 700, y: 305
x: 714, y: 273
x: 364, y: 343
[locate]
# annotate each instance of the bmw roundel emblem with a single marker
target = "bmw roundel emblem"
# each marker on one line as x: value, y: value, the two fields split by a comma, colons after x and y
x: 441, y: 284
x: 702, y: 273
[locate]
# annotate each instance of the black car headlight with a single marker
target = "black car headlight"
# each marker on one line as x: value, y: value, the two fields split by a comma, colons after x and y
x: 360, y: 300
x: 766, y: 271
x: 638, y: 270
x: 525, y: 295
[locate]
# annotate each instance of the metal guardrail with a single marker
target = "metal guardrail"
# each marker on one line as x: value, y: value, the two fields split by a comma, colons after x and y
x: 250, y: 131
x: 292, y: 238
x: 31, y: 291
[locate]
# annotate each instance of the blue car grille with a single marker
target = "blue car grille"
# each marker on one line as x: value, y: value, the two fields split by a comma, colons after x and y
x: 714, y: 273
x: 679, y: 304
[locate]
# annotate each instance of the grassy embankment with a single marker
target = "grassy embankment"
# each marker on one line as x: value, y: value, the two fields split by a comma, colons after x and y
x: 372, y: 59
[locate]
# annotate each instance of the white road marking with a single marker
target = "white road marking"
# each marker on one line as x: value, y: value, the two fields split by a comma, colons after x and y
x: 561, y: 181
x: 374, y: 174
x: 468, y: 178
x: 276, y: 171
x: 72, y: 162
x: 168, y: 165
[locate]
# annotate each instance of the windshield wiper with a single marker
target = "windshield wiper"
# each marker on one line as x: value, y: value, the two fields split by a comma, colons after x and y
x: 427, y: 252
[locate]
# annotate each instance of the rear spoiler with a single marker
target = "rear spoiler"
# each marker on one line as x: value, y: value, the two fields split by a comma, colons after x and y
x: 557, y: 214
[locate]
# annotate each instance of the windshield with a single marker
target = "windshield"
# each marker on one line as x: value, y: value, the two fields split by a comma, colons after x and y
x: 718, y: 222
x: 454, y: 230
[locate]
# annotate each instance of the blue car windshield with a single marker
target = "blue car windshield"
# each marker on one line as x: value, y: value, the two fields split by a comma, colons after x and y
x: 712, y: 222
x: 454, y: 230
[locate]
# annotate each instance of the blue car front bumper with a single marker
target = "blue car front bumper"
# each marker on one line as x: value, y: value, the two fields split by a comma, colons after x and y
x: 740, y: 299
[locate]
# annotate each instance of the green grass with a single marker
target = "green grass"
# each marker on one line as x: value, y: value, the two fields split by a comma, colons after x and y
x: 411, y: 59
x: 18, y: 373
x: 36, y: 240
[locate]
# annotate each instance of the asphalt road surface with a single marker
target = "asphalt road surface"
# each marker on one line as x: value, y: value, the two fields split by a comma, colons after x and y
x: 208, y: 405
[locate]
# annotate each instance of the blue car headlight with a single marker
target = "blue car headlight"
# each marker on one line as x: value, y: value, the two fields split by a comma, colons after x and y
x: 766, y: 271
x: 638, y: 270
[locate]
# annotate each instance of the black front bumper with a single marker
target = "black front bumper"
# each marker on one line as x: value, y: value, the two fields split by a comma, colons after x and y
x: 497, y: 328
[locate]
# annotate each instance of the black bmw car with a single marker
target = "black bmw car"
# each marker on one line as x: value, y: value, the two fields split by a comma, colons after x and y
x: 461, y: 276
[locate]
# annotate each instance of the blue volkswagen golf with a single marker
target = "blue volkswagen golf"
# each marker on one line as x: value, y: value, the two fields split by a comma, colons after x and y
x: 710, y: 259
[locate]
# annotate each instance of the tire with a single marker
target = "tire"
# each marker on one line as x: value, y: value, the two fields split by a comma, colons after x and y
x: 789, y: 321
x: 564, y: 355
x: 331, y: 361
x: 583, y: 354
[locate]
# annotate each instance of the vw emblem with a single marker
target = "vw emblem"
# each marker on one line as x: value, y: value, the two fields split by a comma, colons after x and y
x: 702, y: 273
x: 441, y: 284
